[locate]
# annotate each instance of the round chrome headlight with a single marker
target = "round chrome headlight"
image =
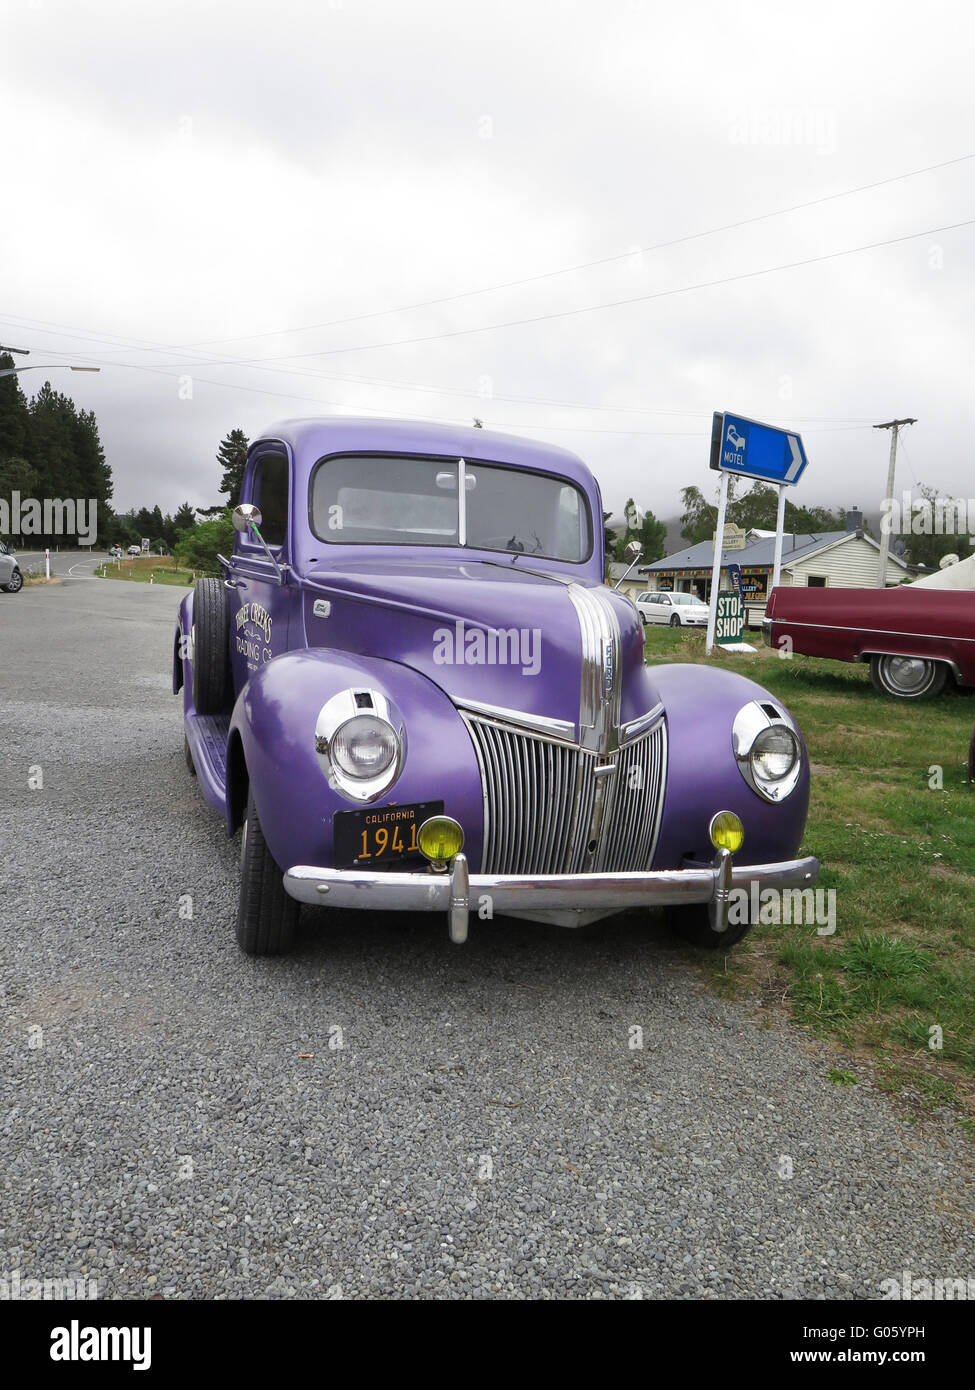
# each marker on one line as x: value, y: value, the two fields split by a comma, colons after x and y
x: 768, y: 749
x: 774, y: 753
x: 364, y: 747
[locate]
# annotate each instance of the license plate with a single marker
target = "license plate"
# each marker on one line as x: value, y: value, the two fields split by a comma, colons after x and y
x: 380, y: 835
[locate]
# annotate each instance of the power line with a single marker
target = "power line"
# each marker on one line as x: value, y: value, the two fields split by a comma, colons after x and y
x: 356, y: 380
x: 611, y: 304
x: 453, y: 420
x: 585, y: 265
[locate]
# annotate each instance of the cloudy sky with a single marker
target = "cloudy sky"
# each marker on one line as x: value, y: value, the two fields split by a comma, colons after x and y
x: 247, y: 211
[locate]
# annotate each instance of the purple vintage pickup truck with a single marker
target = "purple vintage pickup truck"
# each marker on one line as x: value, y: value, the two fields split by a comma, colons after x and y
x: 413, y: 691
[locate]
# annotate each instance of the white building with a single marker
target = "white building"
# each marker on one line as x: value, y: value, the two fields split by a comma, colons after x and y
x: 847, y: 559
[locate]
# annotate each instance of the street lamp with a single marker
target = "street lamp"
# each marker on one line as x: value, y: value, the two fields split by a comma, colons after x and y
x: 43, y: 367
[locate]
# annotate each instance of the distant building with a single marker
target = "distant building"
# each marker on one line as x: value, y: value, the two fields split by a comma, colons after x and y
x: 844, y: 559
x: 632, y: 586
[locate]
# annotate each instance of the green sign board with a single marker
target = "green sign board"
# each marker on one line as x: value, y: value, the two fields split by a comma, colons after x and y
x: 730, y: 621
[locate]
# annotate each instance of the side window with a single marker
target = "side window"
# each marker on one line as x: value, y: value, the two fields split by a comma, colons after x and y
x: 269, y: 491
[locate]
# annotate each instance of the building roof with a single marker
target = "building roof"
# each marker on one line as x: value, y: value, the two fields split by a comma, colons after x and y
x: 617, y: 569
x: 759, y: 550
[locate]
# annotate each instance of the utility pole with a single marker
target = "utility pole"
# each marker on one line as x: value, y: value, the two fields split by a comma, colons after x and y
x: 894, y: 427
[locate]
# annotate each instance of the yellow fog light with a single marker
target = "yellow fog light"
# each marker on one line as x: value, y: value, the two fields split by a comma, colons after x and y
x: 727, y: 831
x: 440, y: 839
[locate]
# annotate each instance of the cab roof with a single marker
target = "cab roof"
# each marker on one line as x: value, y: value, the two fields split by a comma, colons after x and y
x: 312, y: 438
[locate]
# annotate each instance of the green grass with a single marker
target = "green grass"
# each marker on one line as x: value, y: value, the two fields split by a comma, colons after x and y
x: 900, y: 851
x: 841, y: 1078
x: 137, y: 569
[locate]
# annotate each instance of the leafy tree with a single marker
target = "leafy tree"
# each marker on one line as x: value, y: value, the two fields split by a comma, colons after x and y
x: 16, y: 475
x: 756, y: 509
x: 699, y: 517
x: 232, y: 458
x: 644, y: 527
x: 927, y: 548
x: 198, y: 549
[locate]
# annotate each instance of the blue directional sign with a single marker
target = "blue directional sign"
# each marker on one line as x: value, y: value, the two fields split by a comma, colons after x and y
x: 734, y: 578
x: 756, y: 450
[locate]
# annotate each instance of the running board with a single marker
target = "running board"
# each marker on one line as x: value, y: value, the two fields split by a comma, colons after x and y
x: 207, y: 737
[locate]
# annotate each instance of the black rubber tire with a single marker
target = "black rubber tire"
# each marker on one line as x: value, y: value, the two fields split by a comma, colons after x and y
x: 693, y: 924
x: 188, y: 755
x: 674, y: 620
x: 266, y: 915
x: 930, y: 682
x: 211, y: 647
x: 16, y: 583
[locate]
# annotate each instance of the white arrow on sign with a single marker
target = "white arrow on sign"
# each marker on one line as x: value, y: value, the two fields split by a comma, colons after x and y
x: 796, y: 463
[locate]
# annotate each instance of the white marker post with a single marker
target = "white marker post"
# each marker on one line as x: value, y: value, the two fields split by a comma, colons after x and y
x: 716, y: 568
x: 47, y: 564
x: 779, y: 530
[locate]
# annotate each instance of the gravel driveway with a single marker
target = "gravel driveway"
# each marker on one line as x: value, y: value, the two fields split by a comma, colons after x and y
x: 383, y: 1113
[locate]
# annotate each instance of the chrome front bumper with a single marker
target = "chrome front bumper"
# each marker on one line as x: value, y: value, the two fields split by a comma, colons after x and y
x: 458, y: 891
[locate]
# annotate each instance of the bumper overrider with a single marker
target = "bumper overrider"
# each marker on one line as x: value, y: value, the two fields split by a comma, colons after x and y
x: 456, y: 890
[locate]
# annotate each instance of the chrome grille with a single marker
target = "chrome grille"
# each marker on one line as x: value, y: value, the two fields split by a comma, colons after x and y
x: 553, y: 808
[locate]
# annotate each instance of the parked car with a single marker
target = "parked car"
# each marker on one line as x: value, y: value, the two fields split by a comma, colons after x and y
x: 679, y: 610
x: 915, y: 639
x: 134, y: 550
x: 11, y: 579
x: 413, y: 691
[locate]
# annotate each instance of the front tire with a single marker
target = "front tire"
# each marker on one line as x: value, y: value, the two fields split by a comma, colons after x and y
x: 14, y: 584
x: 908, y: 677
x: 266, y: 915
x: 675, y: 620
x: 211, y: 647
x: 693, y: 924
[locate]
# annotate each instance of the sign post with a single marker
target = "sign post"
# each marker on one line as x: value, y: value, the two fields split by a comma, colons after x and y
x: 779, y: 528
x: 716, y: 568
x: 752, y: 450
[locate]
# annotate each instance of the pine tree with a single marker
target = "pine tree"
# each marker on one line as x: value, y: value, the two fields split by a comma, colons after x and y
x: 185, y: 518
x: 232, y: 458
x: 14, y: 417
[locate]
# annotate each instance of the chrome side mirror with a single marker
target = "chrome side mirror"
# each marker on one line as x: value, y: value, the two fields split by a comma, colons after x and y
x: 245, y: 516
x: 632, y: 552
x: 247, y: 519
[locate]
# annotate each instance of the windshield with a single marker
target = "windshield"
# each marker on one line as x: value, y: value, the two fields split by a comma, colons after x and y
x: 395, y: 499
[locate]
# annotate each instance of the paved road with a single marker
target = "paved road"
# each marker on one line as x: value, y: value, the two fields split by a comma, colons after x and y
x: 74, y: 564
x: 178, y: 1119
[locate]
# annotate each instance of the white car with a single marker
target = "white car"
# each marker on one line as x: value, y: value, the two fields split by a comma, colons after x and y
x: 135, y: 549
x: 679, y: 610
x: 11, y: 579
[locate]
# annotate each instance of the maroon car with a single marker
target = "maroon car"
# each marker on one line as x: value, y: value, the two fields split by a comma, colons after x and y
x: 914, y: 638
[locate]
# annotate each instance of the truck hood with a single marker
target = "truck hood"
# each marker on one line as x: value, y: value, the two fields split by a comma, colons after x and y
x: 552, y: 646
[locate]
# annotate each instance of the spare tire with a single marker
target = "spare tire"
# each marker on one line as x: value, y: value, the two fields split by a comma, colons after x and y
x: 211, y: 647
